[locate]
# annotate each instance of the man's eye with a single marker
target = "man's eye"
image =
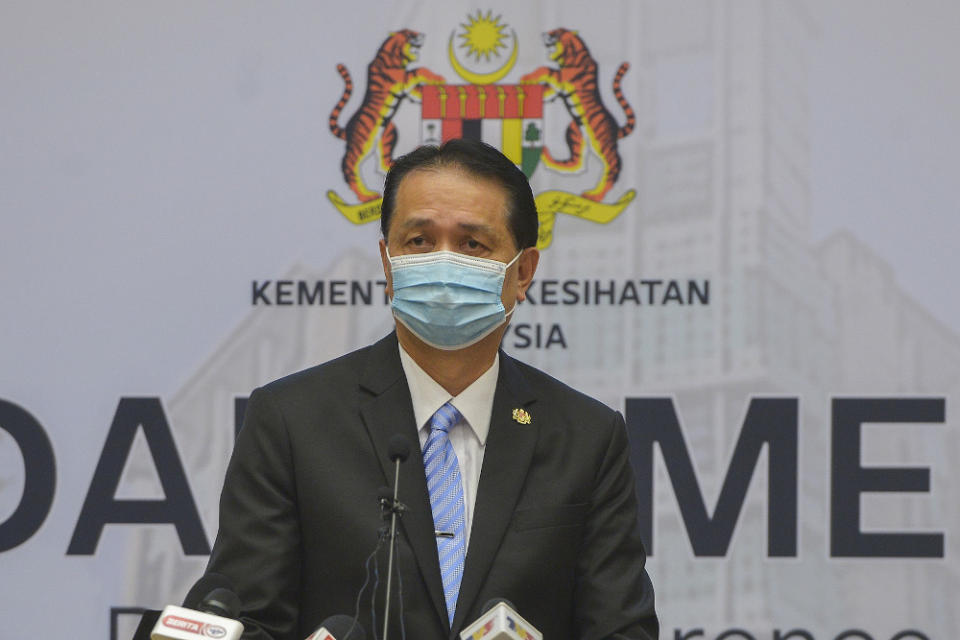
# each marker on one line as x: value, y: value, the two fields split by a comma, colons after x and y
x: 417, y: 242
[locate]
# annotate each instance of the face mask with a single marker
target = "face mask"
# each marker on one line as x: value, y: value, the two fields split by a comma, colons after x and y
x: 447, y: 299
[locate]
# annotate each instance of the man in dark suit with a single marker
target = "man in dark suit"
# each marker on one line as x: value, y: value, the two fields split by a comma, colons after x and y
x: 523, y: 489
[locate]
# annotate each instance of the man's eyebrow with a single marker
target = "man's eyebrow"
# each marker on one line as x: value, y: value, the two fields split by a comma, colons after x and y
x: 482, y: 228
x: 426, y: 221
x: 411, y: 223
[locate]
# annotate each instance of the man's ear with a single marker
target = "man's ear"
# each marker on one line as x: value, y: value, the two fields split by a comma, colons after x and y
x: 386, y: 267
x: 526, y: 267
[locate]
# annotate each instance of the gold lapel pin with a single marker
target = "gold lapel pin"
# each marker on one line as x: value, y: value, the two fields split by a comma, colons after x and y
x: 521, y: 416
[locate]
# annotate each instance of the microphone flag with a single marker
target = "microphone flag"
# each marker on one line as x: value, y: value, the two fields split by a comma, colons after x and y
x: 501, y: 622
x: 179, y: 623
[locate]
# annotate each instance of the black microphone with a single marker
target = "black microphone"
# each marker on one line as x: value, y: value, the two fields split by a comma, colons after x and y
x: 209, y: 611
x: 204, y: 587
x: 399, y: 449
x: 339, y: 627
x: 500, y: 621
x: 221, y: 602
x: 492, y: 602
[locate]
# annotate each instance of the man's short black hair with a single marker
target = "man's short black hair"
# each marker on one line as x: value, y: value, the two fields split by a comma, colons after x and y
x: 477, y: 159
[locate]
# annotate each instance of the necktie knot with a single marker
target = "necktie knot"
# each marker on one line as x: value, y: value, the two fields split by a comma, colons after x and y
x: 445, y: 417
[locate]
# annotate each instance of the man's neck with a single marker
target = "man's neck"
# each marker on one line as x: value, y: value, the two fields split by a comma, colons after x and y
x: 452, y: 370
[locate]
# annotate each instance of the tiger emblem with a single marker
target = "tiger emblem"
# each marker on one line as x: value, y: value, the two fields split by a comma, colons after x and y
x: 389, y: 81
x: 575, y: 81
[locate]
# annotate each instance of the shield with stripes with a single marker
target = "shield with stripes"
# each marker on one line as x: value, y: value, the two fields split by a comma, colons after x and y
x: 506, y: 116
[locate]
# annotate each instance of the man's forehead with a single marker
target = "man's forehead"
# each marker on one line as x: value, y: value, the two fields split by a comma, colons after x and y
x: 457, y: 172
x: 425, y: 196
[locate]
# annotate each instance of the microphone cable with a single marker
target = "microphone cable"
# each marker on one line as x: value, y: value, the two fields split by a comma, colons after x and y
x: 384, y: 534
x: 403, y: 626
x: 376, y: 583
x: 363, y: 587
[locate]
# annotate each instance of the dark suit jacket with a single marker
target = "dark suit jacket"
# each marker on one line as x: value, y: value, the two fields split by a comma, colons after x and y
x: 554, y: 526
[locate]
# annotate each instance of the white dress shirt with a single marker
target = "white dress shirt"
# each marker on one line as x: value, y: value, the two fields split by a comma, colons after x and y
x: 468, y: 436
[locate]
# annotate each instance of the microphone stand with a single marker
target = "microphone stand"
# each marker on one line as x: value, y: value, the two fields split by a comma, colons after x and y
x: 399, y: 450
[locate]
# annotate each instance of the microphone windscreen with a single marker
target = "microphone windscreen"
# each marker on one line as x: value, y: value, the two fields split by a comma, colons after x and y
x: 399, y: 447
x: 343, y: 627
x: 203, y: 587
x: 221, y: 602
x: 490, y: 604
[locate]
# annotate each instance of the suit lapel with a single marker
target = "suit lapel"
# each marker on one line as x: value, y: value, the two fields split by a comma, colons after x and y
x: 387, y: 409
x: 506, y: 459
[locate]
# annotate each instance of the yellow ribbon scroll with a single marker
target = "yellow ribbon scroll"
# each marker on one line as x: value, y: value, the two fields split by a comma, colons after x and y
x: 356, y: 213
x: 550, y: 203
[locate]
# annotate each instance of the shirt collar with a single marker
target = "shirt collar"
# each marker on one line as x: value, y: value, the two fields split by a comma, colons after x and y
x: 475, y: 403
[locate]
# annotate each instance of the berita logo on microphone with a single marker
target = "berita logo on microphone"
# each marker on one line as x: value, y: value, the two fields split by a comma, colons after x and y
x: 184, y: 624
x: 193, y: 626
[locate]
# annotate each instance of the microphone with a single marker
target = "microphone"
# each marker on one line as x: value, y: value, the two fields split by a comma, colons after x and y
x: 398, y: 449
x: 339, y: 627
x: 221, y: 602
x: 202, y: 618
x: 500, y: 621
x: 205, y: 586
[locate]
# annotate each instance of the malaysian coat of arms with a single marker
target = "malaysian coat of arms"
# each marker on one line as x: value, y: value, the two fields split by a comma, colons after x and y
x: 507, y: 116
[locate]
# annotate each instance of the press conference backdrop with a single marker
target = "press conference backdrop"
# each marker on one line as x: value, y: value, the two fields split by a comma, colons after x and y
x: 748, y: 247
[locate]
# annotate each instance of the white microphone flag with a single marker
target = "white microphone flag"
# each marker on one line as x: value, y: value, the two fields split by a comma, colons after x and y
x: 179, y: 623
x: 501, y: 623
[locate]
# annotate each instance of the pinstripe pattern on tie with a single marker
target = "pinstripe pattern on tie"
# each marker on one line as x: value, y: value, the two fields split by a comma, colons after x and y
x: 446, y: 499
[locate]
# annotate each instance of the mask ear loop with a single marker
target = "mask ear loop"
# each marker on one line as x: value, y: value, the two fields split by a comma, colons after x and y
x: 515, y: 258
x: 514, y: 307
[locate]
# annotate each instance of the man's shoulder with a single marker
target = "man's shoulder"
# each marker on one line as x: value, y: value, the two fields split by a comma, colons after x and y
x: 557, y: 393
x: 334, y: 376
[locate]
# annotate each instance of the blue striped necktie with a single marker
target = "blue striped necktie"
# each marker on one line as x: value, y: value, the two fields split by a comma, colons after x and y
x: 446, y: 500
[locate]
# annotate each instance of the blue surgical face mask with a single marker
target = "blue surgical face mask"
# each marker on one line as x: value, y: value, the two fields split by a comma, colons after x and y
x: 448, y: 300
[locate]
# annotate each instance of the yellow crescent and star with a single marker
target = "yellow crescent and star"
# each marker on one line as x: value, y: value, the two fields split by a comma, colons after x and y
x: 483, y: 38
